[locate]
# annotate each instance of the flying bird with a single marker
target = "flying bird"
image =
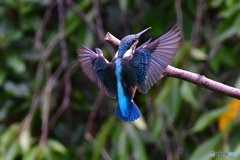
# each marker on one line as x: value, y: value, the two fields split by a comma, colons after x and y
x: 131, y: 69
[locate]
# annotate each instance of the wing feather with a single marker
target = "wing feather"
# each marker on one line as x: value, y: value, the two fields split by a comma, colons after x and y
x: 96, y: 68
x: 162, y: 50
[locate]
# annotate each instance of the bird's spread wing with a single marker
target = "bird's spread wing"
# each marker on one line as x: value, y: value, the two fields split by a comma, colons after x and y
x: 97, y: 69
x: 154, y: 57
x: 141, y: 62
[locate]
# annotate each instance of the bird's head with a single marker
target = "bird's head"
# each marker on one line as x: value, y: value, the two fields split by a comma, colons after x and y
x: 129, y: 42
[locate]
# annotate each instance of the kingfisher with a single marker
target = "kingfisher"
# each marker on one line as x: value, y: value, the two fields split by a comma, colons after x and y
x: 133, y: 68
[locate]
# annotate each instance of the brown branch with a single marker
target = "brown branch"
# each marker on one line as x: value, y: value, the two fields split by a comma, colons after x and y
x: 37, y: 42
x: 179, y: 14
x: 200, y: 80
x: 109, y: 37
x: 37, y: 95
x: 197, y: 24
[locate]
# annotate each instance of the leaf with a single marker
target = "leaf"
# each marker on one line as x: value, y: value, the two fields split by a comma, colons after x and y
x: 11, y: 3
x: 25, y: 140
x: 12, y: 152
x: 237, y: 24
x: 16, y: 64
x: 159, y: 122
x: 56, y: 146
x: 216, y: 3
x: 89, y: 38
x: 46, y: 153
x: 237, y: 83
x: 202, y: 152
x: 207, y: 119
x: 188, y: 94
x: 198, y: 54
x: 140, y: 123
x: 164, y: 93
x: 237, y: 149
x: 225, y: 35
x: 18, y: 90
x: 2, y: 77
x: 9, y: 135
x: 122, y: 146
x: 174, y: 101
x: 123, y: 5
x: 102, y: 137
x: 3, y: 112
x: 136, y: 142
x: 227, y: 13
x: 26, y: 9
x: 225, y: 119
x: 31, y: 154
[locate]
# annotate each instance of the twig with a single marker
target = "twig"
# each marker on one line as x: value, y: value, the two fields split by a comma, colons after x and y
x: 103, y: 151
x: 109, y: 37
x: 179, y: 13
x: 197, y: 24
x: 87, y: 133
x: 93, y: 113
x: 37, y: 93
x: 96, y: 28
x: 200, y: 80
x: 53, y: 78
x: 38, y: 37
x: 166, y: 144
x: 81, y: 14
x: 64, y: 54
x: 149, y: 108
x: 46, y: 103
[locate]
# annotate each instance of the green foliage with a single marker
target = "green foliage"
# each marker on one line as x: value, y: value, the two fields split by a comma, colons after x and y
x: 50, y: 110
x: 202, y: 152
x: 208, y: 118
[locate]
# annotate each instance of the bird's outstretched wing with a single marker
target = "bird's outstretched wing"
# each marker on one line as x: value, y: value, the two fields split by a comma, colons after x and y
x: 97, y: 69
x: 140, y: 62
x: 154, y: 57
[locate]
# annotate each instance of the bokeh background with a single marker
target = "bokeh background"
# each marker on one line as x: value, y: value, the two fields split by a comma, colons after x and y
x: 49, y: 110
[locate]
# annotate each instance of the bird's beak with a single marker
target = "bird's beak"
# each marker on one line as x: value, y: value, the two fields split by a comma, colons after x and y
x: 142, y: 32
x: 133, y: 47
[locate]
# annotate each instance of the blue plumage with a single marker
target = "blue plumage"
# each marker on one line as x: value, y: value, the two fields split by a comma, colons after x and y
x: 126, y: 108
x: 131, y: 68
x: 140, y: 62
x: 122, y: 97
x: 133, y: 114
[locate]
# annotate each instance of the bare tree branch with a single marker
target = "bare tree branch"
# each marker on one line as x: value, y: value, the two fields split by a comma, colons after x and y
x: 95, y: 27
x: 64, y: 64
x: 38, y: 43
x: 197, y: 24
x: 200, y: 80
x: 179, y: 14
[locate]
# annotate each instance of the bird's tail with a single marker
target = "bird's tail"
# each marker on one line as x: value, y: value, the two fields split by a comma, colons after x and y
x: 134, y: 113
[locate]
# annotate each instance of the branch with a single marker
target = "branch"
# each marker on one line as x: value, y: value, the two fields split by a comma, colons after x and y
x: 200, y: 80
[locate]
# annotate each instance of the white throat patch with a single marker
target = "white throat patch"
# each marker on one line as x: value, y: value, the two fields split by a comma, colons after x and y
x: 128, y: 53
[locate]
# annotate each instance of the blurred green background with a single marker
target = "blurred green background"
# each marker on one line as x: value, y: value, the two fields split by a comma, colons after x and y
x: 49, y: 110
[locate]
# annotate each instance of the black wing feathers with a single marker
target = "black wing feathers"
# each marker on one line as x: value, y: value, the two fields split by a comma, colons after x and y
x: 140, y: 62
x: 97, y: 69
x: 162, y: 51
